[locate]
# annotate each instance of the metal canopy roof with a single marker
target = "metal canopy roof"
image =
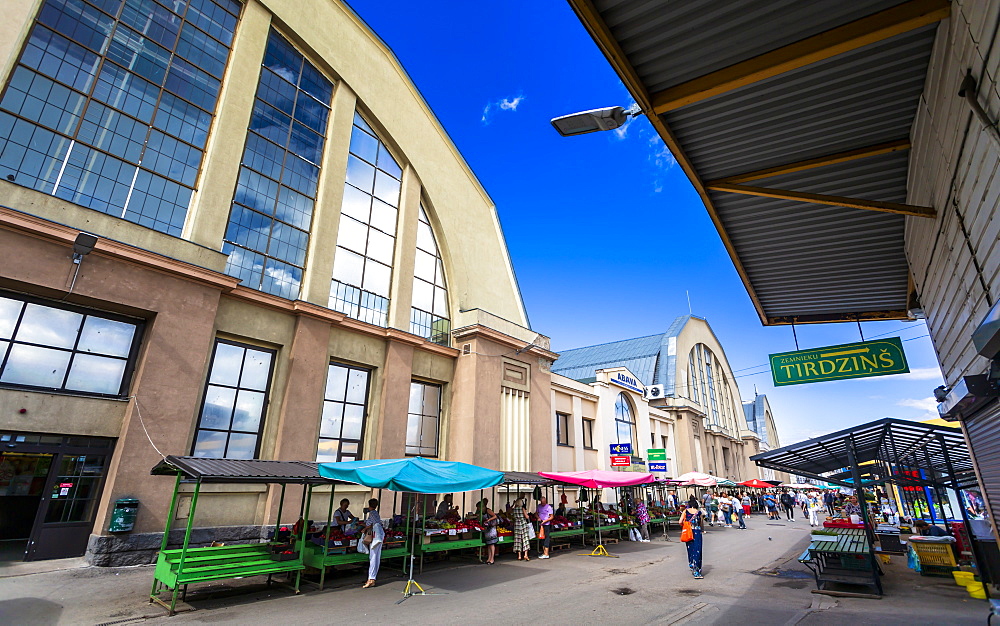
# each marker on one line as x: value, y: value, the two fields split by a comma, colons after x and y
x: 882, y: 450
x: 240, y: 470
x: 742, y: 86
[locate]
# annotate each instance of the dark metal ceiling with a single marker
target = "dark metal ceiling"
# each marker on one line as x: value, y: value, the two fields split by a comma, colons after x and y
x: 800, y: 261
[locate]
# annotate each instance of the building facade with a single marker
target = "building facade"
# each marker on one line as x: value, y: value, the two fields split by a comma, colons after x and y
x: 696, y: 413
x: 760, y: 420
x: 236, y: 230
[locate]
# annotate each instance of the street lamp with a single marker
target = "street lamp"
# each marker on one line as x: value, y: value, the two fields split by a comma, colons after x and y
x: 608, y: 118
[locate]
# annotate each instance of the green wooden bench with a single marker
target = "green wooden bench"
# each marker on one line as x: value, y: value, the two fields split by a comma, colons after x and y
x: 845, y: 558
x: 217, y: 563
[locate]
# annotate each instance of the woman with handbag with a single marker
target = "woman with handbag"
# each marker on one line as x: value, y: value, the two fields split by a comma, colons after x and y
x: 522, y: 529
x: 692, y: 537
x: 490, y: 536
x: 372, y: 539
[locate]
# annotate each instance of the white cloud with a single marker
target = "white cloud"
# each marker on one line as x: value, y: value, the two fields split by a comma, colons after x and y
x: 503, y: 104
x: 927, y: 405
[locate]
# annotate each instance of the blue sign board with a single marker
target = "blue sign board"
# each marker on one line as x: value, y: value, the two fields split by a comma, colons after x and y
x: 621, y: 448
x: 657, y: 467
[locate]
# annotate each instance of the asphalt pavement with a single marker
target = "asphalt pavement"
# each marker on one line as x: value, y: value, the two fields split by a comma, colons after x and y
x: 751, y: 577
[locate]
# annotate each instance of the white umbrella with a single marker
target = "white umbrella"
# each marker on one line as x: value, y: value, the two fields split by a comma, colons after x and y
x: 697, y: 478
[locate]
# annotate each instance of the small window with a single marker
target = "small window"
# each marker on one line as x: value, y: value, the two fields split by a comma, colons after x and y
x: 345, y: 413
x: 423, y: 419
x: 588, y: 434
x: 562, y: 429
x: 232, y: 412
x: 63, y: 348
x: 652, y: 440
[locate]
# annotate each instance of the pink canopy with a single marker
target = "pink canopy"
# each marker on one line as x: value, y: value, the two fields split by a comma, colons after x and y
x: 599, y: 479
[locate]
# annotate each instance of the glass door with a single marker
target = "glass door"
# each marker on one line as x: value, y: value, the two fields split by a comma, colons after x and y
x: 22, y: 483
x: 69, y: 500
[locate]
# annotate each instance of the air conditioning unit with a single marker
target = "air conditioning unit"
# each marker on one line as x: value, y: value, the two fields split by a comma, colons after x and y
x: 654, y: 392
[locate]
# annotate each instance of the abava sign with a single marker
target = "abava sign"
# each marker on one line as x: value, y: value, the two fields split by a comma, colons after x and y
x: 621, y: 461
x: 849, y: 360
x: 629, y: 382
x: 657, y: 467
x: 621, y: 448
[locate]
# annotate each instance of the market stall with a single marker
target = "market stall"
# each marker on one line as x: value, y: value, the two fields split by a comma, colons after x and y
x: 887, y: 451
x: 601, y: 479
x: 284, y: 553
x: 418, y: 475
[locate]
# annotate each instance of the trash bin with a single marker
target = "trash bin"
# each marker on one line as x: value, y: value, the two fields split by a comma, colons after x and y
x: 123, y: 516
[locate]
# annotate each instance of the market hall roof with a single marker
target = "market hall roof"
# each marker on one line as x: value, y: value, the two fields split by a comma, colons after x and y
x: 792, y: 120
x: 651, y: 358
x: 886, y: 449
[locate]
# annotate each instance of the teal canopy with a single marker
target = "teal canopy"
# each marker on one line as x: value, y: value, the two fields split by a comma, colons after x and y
x: 414, y: 474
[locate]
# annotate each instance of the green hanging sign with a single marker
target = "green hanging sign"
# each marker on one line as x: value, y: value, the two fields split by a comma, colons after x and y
x: 880, y: 357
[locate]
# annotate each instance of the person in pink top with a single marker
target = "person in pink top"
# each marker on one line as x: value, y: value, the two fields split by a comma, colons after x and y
x: 545, y: 515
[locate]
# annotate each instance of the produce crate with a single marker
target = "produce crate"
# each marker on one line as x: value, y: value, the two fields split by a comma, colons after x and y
x: 939, y: 554
x: 291, y: 556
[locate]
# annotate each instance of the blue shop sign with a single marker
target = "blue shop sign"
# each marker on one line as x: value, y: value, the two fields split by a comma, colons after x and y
x: 621, y: 448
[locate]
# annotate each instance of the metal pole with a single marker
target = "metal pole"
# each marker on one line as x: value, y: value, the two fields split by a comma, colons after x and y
x: 980, y: 560
x: 187, y: 540
x: 281, y: 504
x: 869, y: 531
x: 166, y: 531
x: 326, y: 540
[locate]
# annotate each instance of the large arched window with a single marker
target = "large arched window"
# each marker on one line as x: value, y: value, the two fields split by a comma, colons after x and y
x: 624, y: 421
x: 366, y: 240
x: 429, y: 312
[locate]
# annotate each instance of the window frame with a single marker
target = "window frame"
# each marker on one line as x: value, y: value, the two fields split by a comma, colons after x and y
x: 587, y: 433
x: 633, y: 434
x: 204, y: 395
x: 364, y: 416
x: 437, y: 434
x: 562, y: 430
x: 130, y: 361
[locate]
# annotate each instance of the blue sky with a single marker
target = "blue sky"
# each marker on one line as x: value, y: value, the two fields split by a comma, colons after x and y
x: 605, y: 232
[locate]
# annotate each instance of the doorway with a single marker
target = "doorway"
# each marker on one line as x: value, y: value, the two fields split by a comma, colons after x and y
x: 22, y: 482
x: 49, y: 489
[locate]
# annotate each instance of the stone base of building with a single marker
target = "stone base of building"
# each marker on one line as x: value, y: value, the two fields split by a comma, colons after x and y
x: 141, y: 548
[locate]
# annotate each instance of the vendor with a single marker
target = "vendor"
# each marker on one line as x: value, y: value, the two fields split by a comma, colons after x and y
x: 446, y: 507
x: 929, y: 530
x: 342, y: 517
x: 851, y: 507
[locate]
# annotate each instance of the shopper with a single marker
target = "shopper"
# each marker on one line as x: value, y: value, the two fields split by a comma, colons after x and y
x: 521, y: 529
x: 726, y: 506
x: 771, y: 505
x: 741, y: 512
x: 693, y: 516
x: 376, y: 530
x: 747, y: 503
x: 642, y: 518
x: 815, y: 508
x: 713, y: 510
x: 673, y: 502
x: 802, y: 499
x: 828, y: 499
x: 544, y: 513
x: 788, y: 504
x: 490, y: 536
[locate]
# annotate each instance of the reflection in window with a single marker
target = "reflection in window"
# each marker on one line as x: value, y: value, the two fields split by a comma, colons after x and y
x: 624, y: 421
x: 429, y: 314
x: 588, y: 433
x: 366, y: 239
x: 562, y: 429
x: 423, y: 419
x: 65, y: 348
x: 268, y: 230
x: 110, y: 104
x: 345, y: 408
x: 232, y: 413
